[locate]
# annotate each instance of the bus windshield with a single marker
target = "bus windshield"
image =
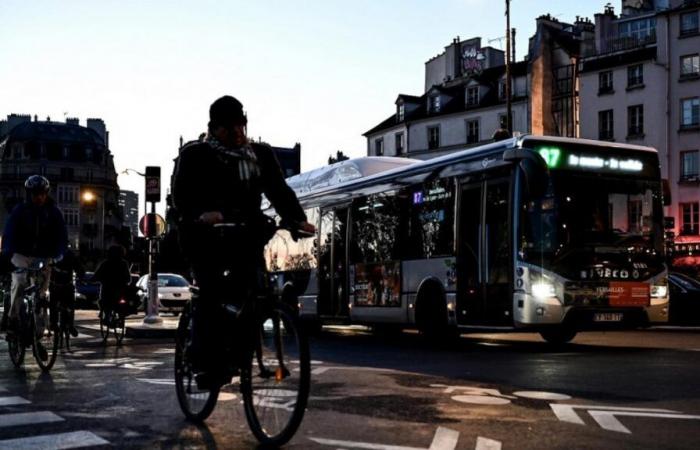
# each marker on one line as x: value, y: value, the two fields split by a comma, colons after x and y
x: 588, y: 224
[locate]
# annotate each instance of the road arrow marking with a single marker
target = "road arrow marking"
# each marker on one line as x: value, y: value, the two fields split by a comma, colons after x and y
x: 608, y: 421
x: 444, y: 439
x: 567, y: 413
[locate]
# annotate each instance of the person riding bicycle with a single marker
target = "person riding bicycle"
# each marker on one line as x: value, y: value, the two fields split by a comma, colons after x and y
x: 222, y: 180
x: 114, y: 276
x: 62, y: 288
x: 35, y: 231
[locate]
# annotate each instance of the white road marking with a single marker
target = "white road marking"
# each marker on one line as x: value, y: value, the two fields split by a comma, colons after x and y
x: 608, y: 421
x: 12, y: 401
x: 76, y: 439
x: 483, y: 443
x: 30, y: 418
x: 227, y: 396
x: 540, y: 395
x: 480, y: 400
x: 567, y: 413
x: 163, y: 381
x: 164, y: 351
x: 472, y: 390
x: 444, y: 439
x: 320, y: 370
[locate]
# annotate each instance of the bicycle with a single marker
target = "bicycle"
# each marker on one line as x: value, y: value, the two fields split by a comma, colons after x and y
x: 65, y: 311
x: 270, y: 353
x: 114, y: 319
x: 33, y: 328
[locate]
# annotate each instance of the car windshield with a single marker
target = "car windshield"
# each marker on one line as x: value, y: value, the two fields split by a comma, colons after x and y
x: 171, y: 281
x: 586, y: 220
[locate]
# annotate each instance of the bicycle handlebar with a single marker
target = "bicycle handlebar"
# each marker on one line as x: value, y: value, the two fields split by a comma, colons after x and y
x: 293, y: 228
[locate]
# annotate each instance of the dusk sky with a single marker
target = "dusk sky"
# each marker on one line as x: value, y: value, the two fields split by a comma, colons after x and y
x: 316, y: 72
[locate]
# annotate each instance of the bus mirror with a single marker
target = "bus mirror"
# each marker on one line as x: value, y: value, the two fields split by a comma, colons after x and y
x: 666, y: 191
x: 534, y: 170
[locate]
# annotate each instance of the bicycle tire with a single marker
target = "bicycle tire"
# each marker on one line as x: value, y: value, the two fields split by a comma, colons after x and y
x: 269, y: 404
x: 15, y: 348
x: 43, y: 337
x: 104, y: 327
x: 184, y: 378
x: 120, y: 329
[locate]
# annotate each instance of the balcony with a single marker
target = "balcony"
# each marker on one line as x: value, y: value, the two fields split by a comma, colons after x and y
x: 617, y: 43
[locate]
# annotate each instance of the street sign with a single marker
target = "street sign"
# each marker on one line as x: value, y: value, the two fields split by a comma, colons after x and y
x: 152, y: 225
x: 153, y: 184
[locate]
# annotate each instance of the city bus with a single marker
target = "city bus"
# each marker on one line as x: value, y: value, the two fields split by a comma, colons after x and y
x: 553, y: 235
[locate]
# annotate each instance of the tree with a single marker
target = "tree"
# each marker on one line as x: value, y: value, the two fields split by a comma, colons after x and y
x: 339, y: 156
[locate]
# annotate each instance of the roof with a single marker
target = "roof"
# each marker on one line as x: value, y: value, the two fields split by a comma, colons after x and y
x: 489, y: 77
x: 54, y: 132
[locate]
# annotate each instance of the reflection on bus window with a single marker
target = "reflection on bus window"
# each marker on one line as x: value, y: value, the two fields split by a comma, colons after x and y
x: 283, y: 254
x: 431, y: 220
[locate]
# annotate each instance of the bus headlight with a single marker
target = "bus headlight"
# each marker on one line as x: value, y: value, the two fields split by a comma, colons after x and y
x: 543, y: 289
x: 659, y: 291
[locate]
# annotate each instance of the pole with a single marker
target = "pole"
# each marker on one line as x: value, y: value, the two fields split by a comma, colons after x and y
x: 152, y: 310
x: 509, y: 112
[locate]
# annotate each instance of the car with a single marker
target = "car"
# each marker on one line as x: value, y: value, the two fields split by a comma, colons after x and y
x: 87, y: 291
x: 684, y: 308
x: 173, y: 292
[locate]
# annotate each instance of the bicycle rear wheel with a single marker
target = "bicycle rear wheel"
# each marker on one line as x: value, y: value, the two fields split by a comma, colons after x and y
x: 119, y: 328
x: 44, y: 338
x: 197, y: 404
x: 104, y: 326
x: 16, y: 349
x: 275, y: 380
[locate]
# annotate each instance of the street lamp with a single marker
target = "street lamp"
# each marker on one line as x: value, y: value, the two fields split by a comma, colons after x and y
x: 91, y: 197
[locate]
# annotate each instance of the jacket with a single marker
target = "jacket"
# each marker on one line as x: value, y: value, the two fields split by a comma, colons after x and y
x: 37, y: 231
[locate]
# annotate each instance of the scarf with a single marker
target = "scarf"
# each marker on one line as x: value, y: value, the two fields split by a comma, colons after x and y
x: 244, y: 157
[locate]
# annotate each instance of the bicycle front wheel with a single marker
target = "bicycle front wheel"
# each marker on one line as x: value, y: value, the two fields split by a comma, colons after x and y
x: 46, y: 341
x: 104, y: 326
x: 197, y: 404
x: 16, y: 349
x: 119, y: 328
x: 276, y: 378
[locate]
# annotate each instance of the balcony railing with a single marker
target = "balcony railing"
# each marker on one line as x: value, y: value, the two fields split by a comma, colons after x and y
x: 617, y: 43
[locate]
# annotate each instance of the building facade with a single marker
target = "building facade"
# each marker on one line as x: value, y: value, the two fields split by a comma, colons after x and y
x: 77, y: 161
x: 129, y: 204
x: 641, y: 85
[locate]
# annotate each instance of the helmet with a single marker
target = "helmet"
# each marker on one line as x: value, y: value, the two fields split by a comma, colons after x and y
x: 36, y: 184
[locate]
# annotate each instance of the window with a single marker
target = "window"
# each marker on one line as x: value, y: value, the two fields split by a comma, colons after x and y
x: 379, y: 147
x: 690, y: 65
x: 689, y: 23
x: 689, y: 165
x: 503, y: 122
x: 473, y: 131
x: 282, y: 253
x: 635, y: 121
x: 68, y: 195
x: 605, y: 82
x: 399, y: 143
x: 473, y: 96
x: 430, y: 220
x: 400, y: 113
x: 501, y: 90
x: 67, y: 173
x: 634, y: 216
x: 635, y: 75
x: 689, y: 218
x: 433, y: 137
x: 637, y: 29
x: 435, y: 103
x: 605, y: 125
x: 71, y: 216
x: 690, y: 112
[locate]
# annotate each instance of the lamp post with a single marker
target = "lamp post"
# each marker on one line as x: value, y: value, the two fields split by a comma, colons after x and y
x: 90, y: 197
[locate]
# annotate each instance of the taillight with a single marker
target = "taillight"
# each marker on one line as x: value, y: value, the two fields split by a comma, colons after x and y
x: 122, y: 301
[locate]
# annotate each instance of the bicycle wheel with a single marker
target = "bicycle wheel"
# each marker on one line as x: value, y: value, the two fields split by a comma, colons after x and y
x: 196, y: 404
x: 44, y: 338
x: 104, y: 326
x: 16, y: 349
x: 275, y: 379
x: 119, y: 328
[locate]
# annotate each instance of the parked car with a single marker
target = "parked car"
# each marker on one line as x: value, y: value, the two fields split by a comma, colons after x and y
x: 684, y: 305
x: 173, y: 292
x: 86, y: 292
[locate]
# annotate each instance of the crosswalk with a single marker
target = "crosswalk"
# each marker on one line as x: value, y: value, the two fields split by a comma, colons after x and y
x: 28, y: 419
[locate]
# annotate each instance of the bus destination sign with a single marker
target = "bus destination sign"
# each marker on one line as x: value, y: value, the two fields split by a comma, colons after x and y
x: 556, y: 158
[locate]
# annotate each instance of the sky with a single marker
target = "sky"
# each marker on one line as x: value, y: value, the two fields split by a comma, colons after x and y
x: 316, y: 72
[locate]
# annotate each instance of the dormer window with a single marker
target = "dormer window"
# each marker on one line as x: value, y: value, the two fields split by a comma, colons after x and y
x: 400, y: 112
x: 473, y: 96
x: 502, y: 90
x: 435, y: 104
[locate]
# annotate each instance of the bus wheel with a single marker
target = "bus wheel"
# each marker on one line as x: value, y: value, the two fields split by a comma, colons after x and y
x: 431, y: 314
x: 558, y: 335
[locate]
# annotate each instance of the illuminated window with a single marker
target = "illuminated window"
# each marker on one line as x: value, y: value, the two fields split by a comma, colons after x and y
x: 689, y: 218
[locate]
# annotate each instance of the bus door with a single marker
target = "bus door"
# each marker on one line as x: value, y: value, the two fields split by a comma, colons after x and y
x: 332, y: 263
x: 483, y: 256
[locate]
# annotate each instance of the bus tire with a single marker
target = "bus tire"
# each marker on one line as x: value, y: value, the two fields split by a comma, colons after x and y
x: 558, y: 335
x: 431, y: 313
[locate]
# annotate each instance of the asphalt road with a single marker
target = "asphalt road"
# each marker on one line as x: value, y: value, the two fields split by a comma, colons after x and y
x: 381, y: 392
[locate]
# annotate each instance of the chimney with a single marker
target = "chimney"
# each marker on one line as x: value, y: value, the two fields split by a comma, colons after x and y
x: 73, y: 121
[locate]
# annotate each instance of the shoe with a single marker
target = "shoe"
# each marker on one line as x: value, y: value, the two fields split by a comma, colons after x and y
x: 73, y: 331
x: 41, y: 352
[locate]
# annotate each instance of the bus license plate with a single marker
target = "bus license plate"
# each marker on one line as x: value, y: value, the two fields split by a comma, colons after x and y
x: 607, y: 317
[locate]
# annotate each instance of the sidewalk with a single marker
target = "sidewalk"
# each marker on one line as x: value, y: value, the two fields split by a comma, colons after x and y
x: 135, y: 328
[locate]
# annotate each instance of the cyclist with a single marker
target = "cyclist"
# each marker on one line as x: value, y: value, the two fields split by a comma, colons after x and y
x: 222, y: 179
x: 34, y: 231
x: 114, y: 276
x: 62, y: 288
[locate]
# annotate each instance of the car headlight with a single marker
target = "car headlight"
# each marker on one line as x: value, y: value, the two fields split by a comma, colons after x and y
x: 543, y: 289
x: 659, y: 291
x: 160, y: 295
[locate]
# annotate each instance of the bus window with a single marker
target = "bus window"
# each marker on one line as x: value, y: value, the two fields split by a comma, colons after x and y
x: 283, y: 254
x: 431, y: 220
x: 376, y: 228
